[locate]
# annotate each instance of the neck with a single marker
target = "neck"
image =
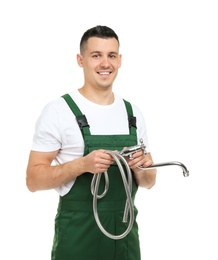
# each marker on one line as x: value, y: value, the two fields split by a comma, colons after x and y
x: 100, y: 97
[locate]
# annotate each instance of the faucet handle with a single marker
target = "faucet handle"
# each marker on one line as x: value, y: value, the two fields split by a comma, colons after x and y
x: 143, y: 146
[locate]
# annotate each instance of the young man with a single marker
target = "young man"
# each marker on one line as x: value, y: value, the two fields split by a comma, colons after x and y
x: 75, y: 131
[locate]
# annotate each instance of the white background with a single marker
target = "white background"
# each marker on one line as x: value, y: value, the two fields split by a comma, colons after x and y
x: 170, y: 70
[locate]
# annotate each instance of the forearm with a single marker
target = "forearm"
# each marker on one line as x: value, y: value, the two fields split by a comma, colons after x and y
x: 41, y: 175
x: 146, y: 178
x: 44, y: 177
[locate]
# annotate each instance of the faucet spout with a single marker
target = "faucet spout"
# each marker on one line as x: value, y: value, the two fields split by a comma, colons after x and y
x: 184, y: 168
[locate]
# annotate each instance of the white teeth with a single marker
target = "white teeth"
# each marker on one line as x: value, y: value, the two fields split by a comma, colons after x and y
x: 104, y: 73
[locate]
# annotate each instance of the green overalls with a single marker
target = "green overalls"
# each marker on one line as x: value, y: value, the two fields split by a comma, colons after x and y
x: 77, y: 236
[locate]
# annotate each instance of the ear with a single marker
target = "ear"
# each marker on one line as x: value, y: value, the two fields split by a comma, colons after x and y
x: 120, y: 60
x: 79, y: 60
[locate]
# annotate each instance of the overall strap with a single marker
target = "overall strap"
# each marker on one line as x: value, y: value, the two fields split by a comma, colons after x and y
x: 131, y: 118
x: 81, y: 119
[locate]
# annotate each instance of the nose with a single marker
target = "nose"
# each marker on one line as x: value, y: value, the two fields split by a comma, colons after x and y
x: 105, y: 62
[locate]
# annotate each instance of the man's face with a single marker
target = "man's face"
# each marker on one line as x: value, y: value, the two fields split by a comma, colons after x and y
x: 100, y: 61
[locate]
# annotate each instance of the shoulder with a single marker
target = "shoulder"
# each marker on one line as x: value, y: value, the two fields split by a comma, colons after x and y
x: 54, y: 112
x: 135, y: 108
x: 58, y: 104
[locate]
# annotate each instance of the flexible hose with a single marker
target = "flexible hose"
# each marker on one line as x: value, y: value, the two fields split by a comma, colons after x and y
x: 127, y: 181
x: 129, y: 208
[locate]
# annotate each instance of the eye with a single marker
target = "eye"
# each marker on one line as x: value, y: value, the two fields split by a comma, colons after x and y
x: 112, y: 56
x: 96, y: 56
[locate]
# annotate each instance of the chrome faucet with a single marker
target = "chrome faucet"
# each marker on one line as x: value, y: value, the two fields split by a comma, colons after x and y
x: 185, y: 170
x: 130, y: 150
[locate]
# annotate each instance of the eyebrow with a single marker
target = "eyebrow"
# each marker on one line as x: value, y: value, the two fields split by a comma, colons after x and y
x: 111, y: 52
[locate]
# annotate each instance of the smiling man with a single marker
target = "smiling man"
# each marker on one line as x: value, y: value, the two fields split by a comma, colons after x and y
x: 74, y: 131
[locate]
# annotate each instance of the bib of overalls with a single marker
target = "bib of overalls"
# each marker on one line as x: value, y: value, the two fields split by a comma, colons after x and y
x: 77, y: 235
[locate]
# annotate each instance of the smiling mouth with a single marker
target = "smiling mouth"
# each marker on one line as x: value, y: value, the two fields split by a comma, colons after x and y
x: 104, y: 73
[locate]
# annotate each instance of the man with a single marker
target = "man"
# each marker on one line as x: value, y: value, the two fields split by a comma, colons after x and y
x: 76, y: 131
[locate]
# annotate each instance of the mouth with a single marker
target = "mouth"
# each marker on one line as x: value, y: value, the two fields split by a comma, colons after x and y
x: 104, y: 73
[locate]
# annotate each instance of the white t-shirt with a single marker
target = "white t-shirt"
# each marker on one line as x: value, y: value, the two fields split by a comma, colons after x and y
x: 57, y: 128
